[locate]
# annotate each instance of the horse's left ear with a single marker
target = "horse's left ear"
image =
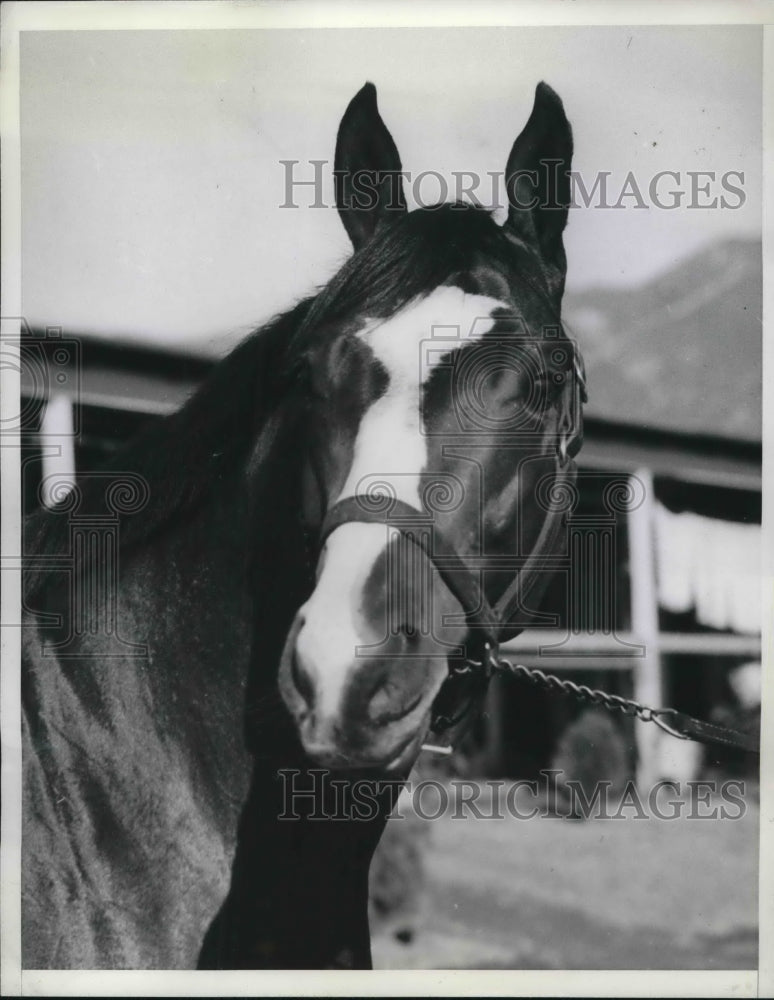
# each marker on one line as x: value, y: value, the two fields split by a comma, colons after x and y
x: 537, y: 178
x: 367, y: 170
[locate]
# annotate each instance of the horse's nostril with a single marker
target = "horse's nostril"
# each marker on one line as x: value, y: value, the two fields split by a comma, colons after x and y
x: 387, y: 705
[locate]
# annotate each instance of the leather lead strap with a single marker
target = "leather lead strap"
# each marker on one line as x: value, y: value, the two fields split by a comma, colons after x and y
x: 685, y: 727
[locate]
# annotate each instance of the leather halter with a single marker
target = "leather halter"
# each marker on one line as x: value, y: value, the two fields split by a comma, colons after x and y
x: 488, y: 625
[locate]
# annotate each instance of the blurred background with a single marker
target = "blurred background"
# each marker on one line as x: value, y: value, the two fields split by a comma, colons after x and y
x: 154, y: 239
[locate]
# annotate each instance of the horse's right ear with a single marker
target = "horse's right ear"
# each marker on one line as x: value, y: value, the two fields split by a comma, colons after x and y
x: 367, y: 170
x: 538, y: 179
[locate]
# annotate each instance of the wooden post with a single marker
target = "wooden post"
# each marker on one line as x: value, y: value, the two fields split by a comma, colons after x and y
x: 648, y: 681
x: 56, y: 430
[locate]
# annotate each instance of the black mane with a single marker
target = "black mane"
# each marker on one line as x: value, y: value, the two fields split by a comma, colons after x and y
x: 194, y: 450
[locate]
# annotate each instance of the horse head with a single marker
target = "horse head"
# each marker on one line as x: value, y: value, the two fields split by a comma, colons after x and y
x: 443, y: 414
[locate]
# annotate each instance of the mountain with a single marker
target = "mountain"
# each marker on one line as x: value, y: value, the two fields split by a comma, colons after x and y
x: 682, y: 352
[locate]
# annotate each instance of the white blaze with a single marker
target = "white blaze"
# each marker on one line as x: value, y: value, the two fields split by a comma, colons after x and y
x: 390, y: 442
x: 330, y: 636
x: 390, y: 447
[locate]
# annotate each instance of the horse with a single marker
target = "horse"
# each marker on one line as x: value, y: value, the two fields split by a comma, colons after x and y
x: 240, y: 631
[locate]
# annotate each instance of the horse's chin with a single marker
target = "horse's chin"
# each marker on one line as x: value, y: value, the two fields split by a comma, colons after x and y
x: 404, y: 759
x: 396, y: 759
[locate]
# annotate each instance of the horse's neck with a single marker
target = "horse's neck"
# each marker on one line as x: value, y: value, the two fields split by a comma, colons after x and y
x: 135, y: 767
x: 155, y: 656
x: 160, y: 633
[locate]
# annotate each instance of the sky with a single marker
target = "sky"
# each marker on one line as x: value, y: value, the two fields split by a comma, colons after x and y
x: 152, y: 181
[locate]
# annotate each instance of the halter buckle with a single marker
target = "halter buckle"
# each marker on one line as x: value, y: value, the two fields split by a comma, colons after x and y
x: 488, y: 662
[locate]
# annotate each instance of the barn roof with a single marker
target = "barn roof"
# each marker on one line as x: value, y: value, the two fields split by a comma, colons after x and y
x: 681, y: 353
